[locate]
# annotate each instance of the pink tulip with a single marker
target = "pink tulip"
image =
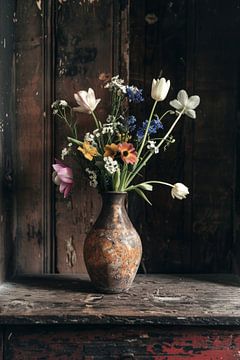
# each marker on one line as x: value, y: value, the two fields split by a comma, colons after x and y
x: 63, y: 177
x: 86, y: 100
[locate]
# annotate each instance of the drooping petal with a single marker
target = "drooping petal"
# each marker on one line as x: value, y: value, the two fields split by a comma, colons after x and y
x: 57, y: 167
x: 67, y: 190
x: 193, y: 102
x: 182, y: 97
x: 190, y: 113
x: 176, y: 104
x: 66, y: 175
x: 55, y: 178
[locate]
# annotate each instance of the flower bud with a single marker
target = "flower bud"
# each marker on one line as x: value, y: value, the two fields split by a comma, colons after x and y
x: 160, y: 88
x: 179, y: 191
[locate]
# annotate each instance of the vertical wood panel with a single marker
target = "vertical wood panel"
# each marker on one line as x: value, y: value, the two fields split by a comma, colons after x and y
x: 85, y: 43
x: 216, y: 81
x: 29, y: 140
x: 1, y: 345
x: 6, y: 121
x: 158, y: 43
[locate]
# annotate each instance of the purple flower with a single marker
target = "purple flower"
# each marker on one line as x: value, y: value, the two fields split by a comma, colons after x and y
x: 63, y: 177
x: 134, y: 94
x: 155, y: 125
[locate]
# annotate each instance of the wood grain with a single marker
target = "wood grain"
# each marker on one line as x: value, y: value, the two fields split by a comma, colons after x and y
x: 214, y: 135
x: 28, y: 141
x: 153, y: 299
x: 6, y: 124
x: 147, y: 343
x: 84, y: 52
x: 194, y: 44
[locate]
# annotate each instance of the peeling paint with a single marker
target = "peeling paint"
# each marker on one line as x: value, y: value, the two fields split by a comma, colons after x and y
x: 71, y: 256
x: 151, y: 18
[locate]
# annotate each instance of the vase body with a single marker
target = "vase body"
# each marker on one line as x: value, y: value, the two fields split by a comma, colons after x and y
x: 113, y: 248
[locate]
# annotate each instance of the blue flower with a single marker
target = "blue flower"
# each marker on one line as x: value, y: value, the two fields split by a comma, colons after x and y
x: 155, y: 125
x: 134, y: 94
x: 131, y: 121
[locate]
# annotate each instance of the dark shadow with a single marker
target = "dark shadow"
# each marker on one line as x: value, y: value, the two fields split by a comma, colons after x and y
x: 74, y: 283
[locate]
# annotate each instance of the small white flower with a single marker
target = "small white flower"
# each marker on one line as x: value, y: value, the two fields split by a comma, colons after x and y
x: 186, y: 103
x: 107, y: 128
x: 110, y: 165
x: 89, y: 137
x: 116, y: 83
x: 151, y: 145
x: 63, y: 103
x: 92, y: 177
x: 160, y: 88
x: 179, y: 191
x: 110, y: 119
x: 96, y: 133
x: 64, y: 153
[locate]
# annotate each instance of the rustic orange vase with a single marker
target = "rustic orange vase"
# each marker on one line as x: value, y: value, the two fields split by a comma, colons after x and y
x: 113, y: 248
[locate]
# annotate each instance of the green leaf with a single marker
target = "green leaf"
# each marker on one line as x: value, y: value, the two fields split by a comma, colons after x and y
x: 141, y: 193
x: 145, y: 186
x: 116, y: 180
x: 75, y: 141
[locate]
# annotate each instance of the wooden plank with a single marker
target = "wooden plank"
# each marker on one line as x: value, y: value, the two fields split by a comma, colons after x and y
x: 84, y: 51
x: 122, y: 343
x: 1, y: 344
x: 216, y: 81
x: 6, y: 120
x: 48, y: 211
x: 158, y: 47
x: 153, y: 299
x: 29, y: 141
x: 136, y: 208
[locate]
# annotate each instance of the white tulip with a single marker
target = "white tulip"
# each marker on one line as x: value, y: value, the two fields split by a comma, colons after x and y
x: 179, y: 191
x: 183, y: 102
x: 160, y: 88
x: 86, y: 100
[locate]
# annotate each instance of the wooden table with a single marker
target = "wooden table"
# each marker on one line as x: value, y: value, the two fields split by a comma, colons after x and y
x: 161, y: 317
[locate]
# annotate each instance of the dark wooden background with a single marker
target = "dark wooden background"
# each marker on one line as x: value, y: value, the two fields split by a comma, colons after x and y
x: 49, y: 50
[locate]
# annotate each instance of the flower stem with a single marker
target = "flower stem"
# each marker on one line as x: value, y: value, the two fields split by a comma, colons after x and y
x: 171, y: 128
x: 150, y: 182
x: 144, y: 161
x: 147, y: 128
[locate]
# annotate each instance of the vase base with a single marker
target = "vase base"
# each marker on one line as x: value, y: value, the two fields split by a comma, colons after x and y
x: 110, y: 290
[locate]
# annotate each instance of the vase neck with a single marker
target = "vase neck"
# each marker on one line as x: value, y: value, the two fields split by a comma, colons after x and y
x: 114, y: 198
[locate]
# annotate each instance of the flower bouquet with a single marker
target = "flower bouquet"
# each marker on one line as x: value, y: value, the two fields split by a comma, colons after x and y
x: 113, y: 156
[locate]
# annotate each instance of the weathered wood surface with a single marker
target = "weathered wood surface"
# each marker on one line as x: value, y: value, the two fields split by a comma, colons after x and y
x: 86, y: 51
x: 29, y: 140
x: 6, y: 120
x: 149, y: 343
x: 193, y: 44
x: 214, y: 152
x: 153, y: 299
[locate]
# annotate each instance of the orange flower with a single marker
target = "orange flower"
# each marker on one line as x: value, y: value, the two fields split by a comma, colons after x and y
x: 88, y: 150
x: 110, y: 150
x: 128, y: 153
